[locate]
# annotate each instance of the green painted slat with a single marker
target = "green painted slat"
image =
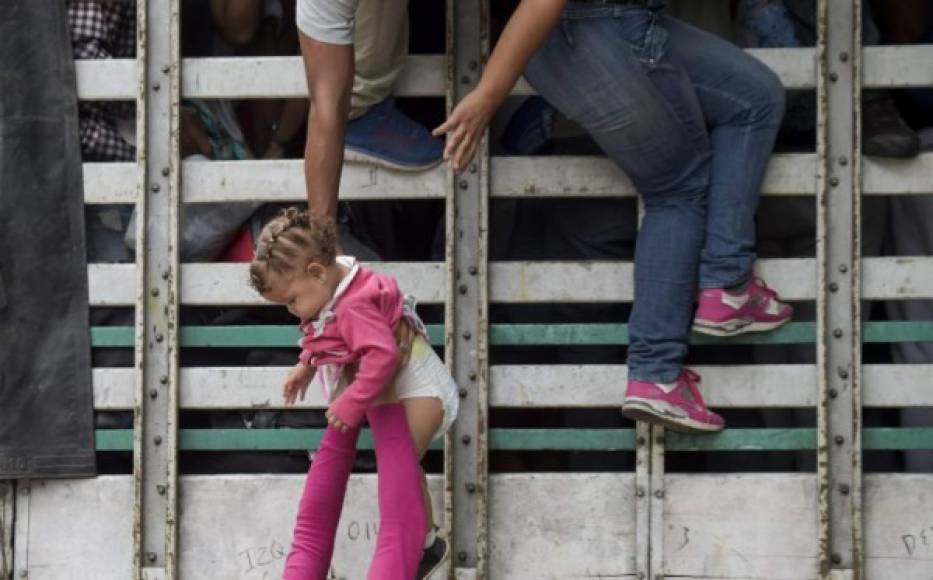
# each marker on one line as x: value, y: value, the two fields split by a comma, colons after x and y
x: 744, y: 440
x: 890, y: 438
x: 519, y: 335
x: 106, y: 336
x: 113, y: 439
x: 537, y: 439
x: 562, y: 439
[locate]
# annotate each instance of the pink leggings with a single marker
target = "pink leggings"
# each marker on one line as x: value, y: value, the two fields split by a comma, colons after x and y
x: 402, y: 519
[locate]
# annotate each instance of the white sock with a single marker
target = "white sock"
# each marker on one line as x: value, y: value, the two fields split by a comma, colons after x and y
x: 430, y: 537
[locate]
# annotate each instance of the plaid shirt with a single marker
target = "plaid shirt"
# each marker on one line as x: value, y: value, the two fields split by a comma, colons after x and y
x: 103, y: 29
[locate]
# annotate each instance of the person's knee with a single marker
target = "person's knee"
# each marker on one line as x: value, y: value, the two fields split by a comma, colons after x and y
x: 769, y: 97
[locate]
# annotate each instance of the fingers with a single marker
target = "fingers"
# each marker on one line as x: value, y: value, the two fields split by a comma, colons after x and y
x: 336, y: 423
x: 445, y: 127
x: 464, y: 152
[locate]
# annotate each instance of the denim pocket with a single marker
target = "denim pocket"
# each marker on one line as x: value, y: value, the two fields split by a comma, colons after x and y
x: 636, y: 26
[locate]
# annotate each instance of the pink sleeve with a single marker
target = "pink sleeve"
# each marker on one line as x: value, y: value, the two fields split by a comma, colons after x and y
x: 367, y: 334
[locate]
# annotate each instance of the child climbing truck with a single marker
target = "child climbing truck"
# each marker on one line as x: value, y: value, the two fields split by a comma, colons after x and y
x: 365, y: 345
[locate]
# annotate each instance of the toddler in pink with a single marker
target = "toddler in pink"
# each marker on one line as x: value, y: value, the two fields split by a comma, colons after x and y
x: 365, y: 345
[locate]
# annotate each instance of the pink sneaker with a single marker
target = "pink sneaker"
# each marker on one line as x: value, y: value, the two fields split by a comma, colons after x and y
x: 754, y: 309
x: 678, y: 406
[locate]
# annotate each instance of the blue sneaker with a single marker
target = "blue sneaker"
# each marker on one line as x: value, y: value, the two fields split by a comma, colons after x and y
x: 384, y: 136
x: 531, y: 127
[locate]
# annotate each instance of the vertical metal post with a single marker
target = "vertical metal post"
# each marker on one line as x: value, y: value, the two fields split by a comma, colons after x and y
x: 155, y: 467
x: 467, y: 304
x: 656, y: 538
x: 642, y: 499
x: 838, y: 303
x: 6, y: 528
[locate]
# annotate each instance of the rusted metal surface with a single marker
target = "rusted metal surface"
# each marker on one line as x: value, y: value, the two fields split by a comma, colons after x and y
x: 838, y: 316
x: 155, y: 428
x: 6, y: 528
x: 467, y: 332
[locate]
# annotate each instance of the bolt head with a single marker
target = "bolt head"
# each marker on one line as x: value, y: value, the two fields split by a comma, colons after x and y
x: 837, y: 333
x: 463, y: 393
x: 466, y: 439
x: 473, y: 270
x: 471, y: 488
x: 833, y: 77
x: 153, y: 394
x: 155, y: 187
x: 836, y: 558
x: 472, y: 376
x: 157, y: 440
x: 154, y: 291
x: 843, y: 268
x: 659, y: 493
x: 462, y: 556
x: 467, y: 335
x: 834, y: 181
x: 151, y: 556
x: 839, y: 439
x: 833, y: 287
x: 462, y: 289
x: 833, y: 393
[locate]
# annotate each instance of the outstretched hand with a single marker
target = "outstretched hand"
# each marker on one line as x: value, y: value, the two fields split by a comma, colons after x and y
x: 296, y: 383
x: 465, y: 128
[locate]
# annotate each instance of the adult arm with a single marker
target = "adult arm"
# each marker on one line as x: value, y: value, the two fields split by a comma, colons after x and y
x: 524, y: 33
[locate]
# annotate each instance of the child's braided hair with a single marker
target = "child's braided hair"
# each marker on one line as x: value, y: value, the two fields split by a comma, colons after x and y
x: 289, y: 242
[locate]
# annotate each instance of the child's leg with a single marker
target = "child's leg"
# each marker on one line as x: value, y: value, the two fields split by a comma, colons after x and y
x: 402, y: 519
x: 320, y: 507
x: 424, y: 415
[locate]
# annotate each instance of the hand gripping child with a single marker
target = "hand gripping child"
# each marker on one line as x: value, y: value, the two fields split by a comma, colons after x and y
x: 366, y: 346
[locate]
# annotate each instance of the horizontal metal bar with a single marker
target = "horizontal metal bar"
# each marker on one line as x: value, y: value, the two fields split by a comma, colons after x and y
x: 897, y: 66
x: 106, y: 79
x: 283, y: 77
x: 543, y: 386
x: 563, y: 439
x: 789, y: 174
x: 518, y: 335
x: 223, y: 284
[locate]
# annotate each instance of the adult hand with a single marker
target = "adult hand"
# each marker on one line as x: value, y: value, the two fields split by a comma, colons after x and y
x: 465, y: 128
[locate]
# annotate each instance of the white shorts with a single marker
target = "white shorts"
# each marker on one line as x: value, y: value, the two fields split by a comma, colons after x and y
x: 424, y: 375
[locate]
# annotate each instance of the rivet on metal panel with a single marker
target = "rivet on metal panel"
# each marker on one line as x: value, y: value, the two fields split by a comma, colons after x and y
x: 843, y: 372
x: 163, y: 379
x: 473, y: 270
x: 161, y: 489
x: 843, y: 489
x: 462, y: 556
x: 463, y: 393
x: 833, y: 77
x: 659, y: 493
x: 464, y: 184
x: 165, y: 274
x: 640, y: 492
x: 159, y: 337
x: 23, y: 573
x: 466, y: 439
x: 462, y: 288
x: 165, y: 172
x: 466, y: 335
x: 153, y: 394
x: 843, y: 160
x: 473, y: 168
x: 843, y: 268
x: 833, y: 287
x: 156, y: 86
x: 472, y: 376
x: 833, y: 393
x: 641, y: 441
x: 154, y: 291
x: 839, y: 439
x: 151, y: 557
x: 834, y: 181
x: 155, y: 187
x: 157, y: 440
x: 166, y: 69
x: 844, y: 56
x: 836, y: 558
x: 471, y: 487
x: 837, y: 333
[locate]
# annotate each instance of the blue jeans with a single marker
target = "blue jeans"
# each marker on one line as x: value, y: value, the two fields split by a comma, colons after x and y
x: 691, y: 119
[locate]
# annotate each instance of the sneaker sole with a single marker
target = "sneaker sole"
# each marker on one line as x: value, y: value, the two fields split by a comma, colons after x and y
x: 358, y: 156
x: 729, y: 328
x: 659, y: 413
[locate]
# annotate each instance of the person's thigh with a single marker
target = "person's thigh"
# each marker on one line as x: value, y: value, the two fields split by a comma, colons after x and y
x: 424, y: 418
x: 599, y: 68
x: 731, y: 85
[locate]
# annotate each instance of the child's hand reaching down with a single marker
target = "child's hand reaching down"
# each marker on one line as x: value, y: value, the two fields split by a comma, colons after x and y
x: 296, y: 384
